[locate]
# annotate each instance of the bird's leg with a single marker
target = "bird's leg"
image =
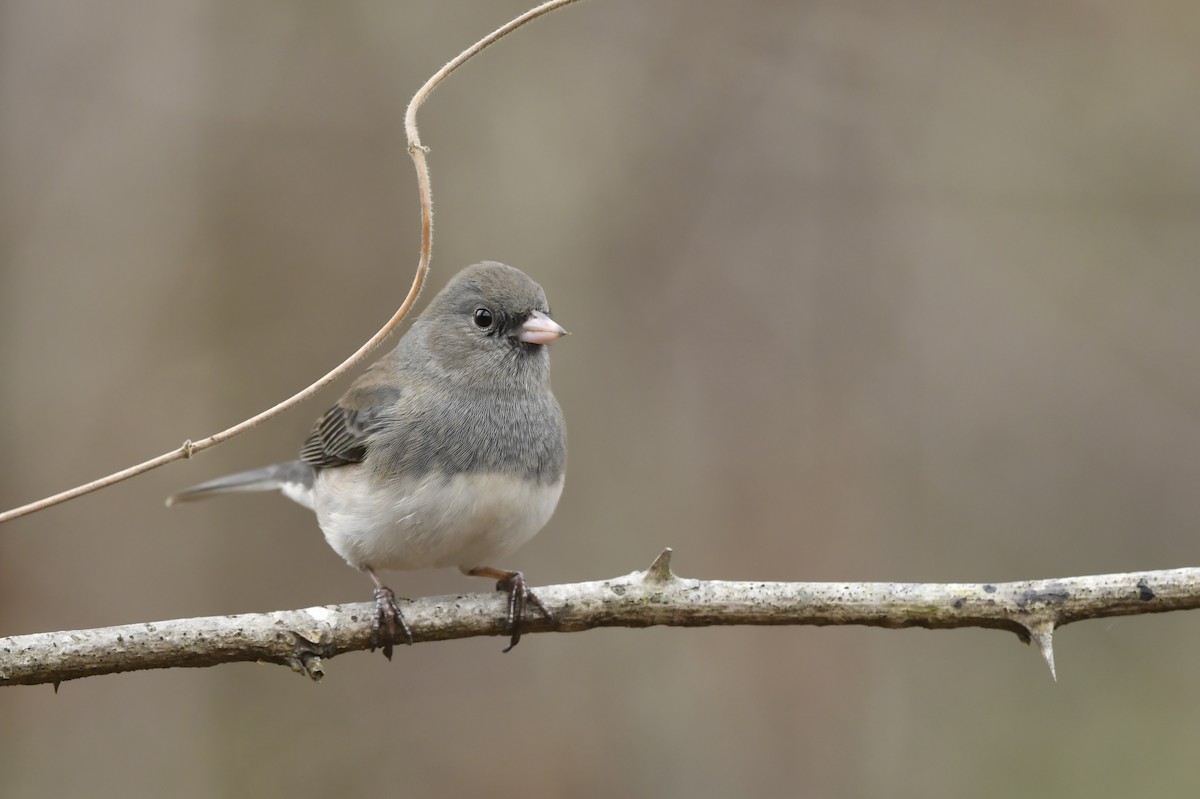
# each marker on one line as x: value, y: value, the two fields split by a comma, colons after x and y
x: 387, y: 617
x: 519, y: 596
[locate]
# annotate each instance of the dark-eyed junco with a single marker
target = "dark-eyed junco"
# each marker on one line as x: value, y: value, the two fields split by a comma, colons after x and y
x: 448, y: 451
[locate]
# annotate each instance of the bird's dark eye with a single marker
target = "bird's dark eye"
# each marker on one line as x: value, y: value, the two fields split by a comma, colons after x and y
x: 483, y: 318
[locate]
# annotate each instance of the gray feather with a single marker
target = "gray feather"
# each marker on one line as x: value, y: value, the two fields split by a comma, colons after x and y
x: 294, y: 478
x: 472, y: 402
x: 451, y: 398
x: 339, y: 437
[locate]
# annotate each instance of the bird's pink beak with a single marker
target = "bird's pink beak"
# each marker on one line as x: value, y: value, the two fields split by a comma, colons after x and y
x: 540, y: 329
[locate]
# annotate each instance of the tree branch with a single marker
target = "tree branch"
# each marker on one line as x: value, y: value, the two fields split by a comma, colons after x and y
x: 304, y: 639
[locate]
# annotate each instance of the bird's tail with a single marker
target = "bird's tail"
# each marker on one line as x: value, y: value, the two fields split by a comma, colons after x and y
x: 294, y: 479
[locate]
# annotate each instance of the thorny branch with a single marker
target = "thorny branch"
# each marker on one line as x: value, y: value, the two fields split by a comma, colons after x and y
x: 305, y: 639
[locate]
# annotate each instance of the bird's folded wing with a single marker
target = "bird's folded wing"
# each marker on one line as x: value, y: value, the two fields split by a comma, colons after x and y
x: 342, y: 434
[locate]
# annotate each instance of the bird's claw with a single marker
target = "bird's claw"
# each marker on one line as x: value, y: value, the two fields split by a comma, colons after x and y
x: 519, y: 598
x: 388, y: 620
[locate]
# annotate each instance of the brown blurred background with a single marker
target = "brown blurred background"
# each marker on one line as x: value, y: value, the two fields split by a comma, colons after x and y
x: 860, y: 291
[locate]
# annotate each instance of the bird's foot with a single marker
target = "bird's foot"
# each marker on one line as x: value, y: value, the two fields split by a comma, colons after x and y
x: 388, y: 621
x: 519, y: 599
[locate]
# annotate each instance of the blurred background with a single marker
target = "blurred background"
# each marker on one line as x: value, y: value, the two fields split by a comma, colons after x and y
x: 860, y: 291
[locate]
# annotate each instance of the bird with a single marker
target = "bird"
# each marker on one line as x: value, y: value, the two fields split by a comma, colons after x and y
x: 448, y: 451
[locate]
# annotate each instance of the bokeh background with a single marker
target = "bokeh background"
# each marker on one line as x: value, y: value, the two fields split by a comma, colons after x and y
x: 860, y: 291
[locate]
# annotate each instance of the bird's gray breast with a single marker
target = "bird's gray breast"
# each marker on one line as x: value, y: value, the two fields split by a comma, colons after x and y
x: 475, y: 432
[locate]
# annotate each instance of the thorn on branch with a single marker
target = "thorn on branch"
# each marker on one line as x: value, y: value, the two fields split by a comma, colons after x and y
x: 660, y: 569
x: 1042, y: 634
x: 312, y: 665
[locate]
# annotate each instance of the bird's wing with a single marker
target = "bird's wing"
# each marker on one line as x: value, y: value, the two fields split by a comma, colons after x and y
x: 342, y: 435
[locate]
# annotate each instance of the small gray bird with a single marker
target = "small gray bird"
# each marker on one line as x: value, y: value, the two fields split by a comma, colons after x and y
x: 448, y: 451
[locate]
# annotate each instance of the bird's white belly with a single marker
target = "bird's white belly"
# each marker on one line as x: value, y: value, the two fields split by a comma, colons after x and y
x: 466, y: 521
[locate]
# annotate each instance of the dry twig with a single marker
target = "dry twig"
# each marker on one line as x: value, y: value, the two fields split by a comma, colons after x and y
x: 418, y: 153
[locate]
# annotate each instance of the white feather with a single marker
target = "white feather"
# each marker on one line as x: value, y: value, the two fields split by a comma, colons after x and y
x: 468, y: 520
